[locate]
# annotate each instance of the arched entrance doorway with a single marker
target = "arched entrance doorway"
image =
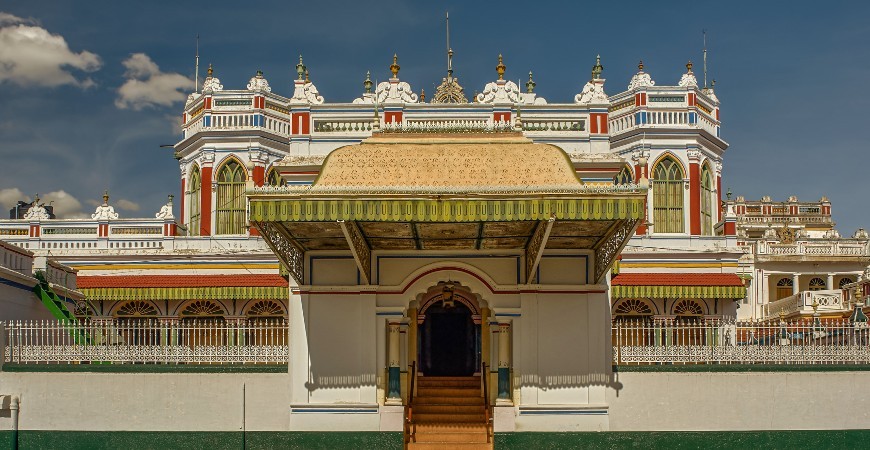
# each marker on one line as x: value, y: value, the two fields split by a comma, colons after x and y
x: 449, y: 341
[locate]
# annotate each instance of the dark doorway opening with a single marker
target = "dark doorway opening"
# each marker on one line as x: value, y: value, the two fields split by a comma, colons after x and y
x: 449, y: 341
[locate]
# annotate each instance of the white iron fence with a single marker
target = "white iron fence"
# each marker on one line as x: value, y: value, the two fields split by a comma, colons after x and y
x: 809, y: 341
x: 146, y: 342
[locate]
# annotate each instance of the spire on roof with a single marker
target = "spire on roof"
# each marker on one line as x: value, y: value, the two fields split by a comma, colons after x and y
x: 300, y: 69
x: 597, y: 68
x: 305, y: 91
x: 530, y: 85
x: 367, y: 84
x: 593, y: 91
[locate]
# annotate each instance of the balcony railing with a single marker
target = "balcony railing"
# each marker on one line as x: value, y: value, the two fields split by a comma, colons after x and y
x: 822, y: 248
x: 802, y: 302
x: 142, y: 341
x: 731, y: 342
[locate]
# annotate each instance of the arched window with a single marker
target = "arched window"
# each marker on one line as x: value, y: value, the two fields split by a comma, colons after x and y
x: 633, y: 307
x: 706, y: 201
x: 668, y: 197
x: 274, y: 178
x: 817, y: 284
x: 844, y: 281
x: 784, y: 288
x: 687, y: 307
x: 624, y: 177
x: 194, y: 202
x: 231, y: 199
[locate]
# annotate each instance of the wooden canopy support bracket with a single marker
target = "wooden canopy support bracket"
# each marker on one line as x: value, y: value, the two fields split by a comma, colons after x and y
x: 288, y: 251
x: 360, y: 249
x: 536, y: 247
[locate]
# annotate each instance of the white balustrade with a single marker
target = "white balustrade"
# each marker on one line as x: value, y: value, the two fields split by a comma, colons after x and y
x: 669, y: 341
x: 143, y: 341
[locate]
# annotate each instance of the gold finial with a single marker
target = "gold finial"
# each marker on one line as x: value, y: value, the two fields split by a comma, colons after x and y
x: 394, y: 67
x: 106, y: 194
x: 307, y: 80
x: 640, y: 66
x: 300, y: 69
x: 500, y: 68
x: 210, y: 70
x: 422, y: 95
x: 530, y: 85
x: 689, y: 66
x: 367, y: 84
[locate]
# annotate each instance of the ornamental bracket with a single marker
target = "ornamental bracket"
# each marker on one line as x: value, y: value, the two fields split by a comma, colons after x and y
x: 360, y: 249
x: 285, y: 248
x: 610, y: 246
x: 536, y: 246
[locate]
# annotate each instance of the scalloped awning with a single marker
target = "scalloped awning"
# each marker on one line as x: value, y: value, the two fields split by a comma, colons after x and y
x: 184, y: 287
x: 678, y: 285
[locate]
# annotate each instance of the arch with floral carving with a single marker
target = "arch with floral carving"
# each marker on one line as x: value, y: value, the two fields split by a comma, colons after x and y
x: 633, y: 307
x: 687, y: 308
x: 136, y: 308
x: 201, y: 309
x: 264, y: 308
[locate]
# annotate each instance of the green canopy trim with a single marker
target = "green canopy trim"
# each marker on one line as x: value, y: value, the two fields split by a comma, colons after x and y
x: 187, y: 293
x: 454, y: 210
x: 735, y: 292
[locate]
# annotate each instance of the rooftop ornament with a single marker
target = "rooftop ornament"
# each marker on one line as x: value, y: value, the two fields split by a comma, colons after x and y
x: 104, y: 211
x: 593, y: 91
x: 393, y: 91
x: 688, y: 79
x: 259, y: 83
x: 37, y: 211
x: 305, y: 91
x: 640, y: 79
x: 212, y: 83
x: 500, y: 91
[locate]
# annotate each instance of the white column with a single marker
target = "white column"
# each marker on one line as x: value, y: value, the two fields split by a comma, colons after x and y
x: 795, y: 283
x: 830, y: 282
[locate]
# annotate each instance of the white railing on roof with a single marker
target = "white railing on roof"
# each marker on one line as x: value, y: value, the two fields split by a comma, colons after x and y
x: 671, y: 341
x: 829, y: 248
x: 146, y: 341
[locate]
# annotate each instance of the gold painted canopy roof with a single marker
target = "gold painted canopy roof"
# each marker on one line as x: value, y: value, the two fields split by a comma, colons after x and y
x: 497, y: 162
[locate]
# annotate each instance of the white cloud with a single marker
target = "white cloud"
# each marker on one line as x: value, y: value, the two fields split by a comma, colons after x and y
x: 9, y: 197
x: 65, y: 205
x: 127, y: 205
x: 31, y: 56
x: 147, y: 86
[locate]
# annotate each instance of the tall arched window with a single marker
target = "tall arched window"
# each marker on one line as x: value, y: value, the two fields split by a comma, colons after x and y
x: 231, y: 199
x: 706, y: 201
x: 668, y: 197
x: 194, y: 202
x: 624, y: 177
x: 784, y: 288
x: 273, y: 178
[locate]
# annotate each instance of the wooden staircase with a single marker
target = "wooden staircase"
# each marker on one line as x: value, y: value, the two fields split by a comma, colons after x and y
x: 448, y: 413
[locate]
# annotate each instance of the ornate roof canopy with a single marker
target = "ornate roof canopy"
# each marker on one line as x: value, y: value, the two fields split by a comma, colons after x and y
x: 472, y: 191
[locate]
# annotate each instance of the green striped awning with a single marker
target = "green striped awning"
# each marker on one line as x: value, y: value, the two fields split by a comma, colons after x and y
x: 678, y: 291
x: 187, y: 293
x: 449, y: 210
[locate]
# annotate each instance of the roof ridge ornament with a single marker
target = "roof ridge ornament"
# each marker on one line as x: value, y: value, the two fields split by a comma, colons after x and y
x: 500, y: 91
x: 593, y: 91
x: 305, y: 91
x: 166, y: 210
x: 37, y: 211
x: 104, y: 211
x: 259, y: 83
x: 688, y: 79
x: 212, y: 83
x: 640, y: 79
x: 394, y: 91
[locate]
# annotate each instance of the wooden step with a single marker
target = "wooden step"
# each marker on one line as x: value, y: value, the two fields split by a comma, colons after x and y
x: 445, y: 436
x: 449, y: 445
x: 447, y: 392
x: 451, y: 427
x: 419, y: 401
x: 447, y: 409
x: 449, y: 418
x: 448, y: 382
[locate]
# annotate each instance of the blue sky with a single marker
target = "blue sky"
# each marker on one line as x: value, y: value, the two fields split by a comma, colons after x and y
x: 85, y: 115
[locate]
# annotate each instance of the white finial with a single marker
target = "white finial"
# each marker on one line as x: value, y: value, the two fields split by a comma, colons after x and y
x: 705, y: 58
x: 196, y: 75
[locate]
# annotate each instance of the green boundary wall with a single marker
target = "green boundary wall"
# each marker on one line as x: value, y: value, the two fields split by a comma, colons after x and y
x: 70, y: 440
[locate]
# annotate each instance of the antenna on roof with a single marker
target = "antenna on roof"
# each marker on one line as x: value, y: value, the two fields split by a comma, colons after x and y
x: 196, y: 73
x: 705, y: 57
x: 449, y: 50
